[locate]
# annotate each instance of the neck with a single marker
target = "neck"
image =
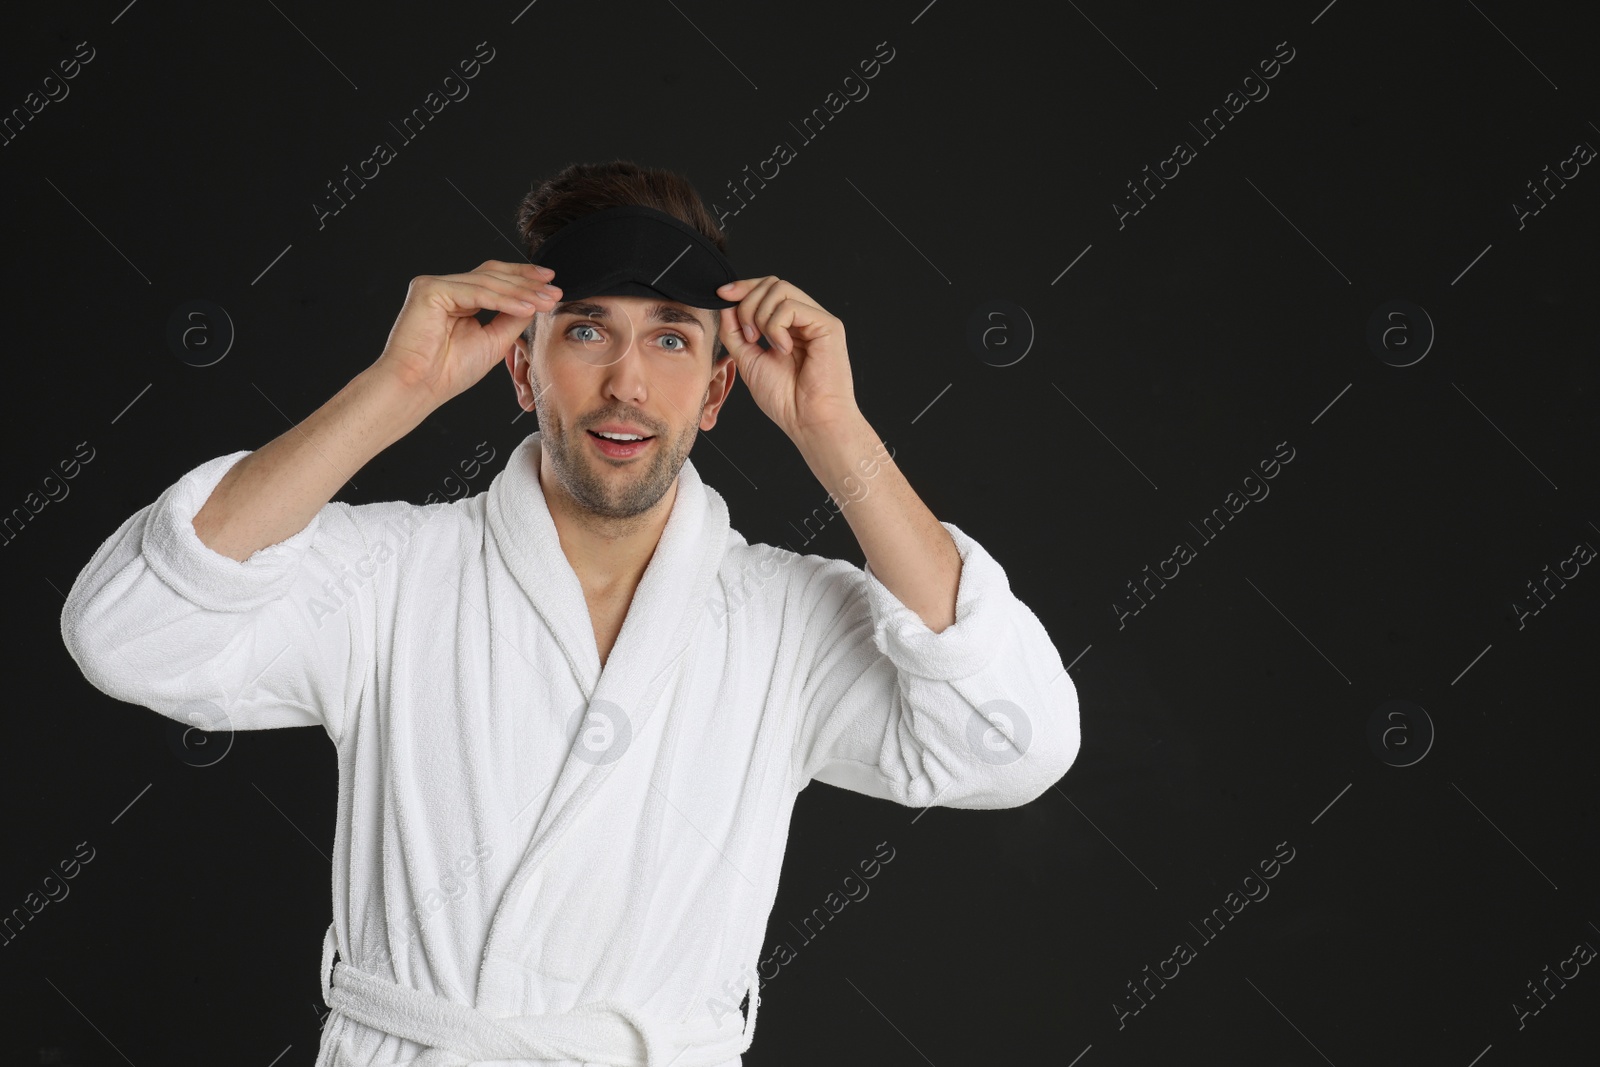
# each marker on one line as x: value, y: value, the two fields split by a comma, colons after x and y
x: 609, y: 555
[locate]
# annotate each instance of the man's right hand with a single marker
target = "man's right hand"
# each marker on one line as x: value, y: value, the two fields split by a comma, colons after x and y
x: 438, y: 346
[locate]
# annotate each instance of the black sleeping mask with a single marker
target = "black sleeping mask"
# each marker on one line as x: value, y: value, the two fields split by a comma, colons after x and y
x: 633, y: 250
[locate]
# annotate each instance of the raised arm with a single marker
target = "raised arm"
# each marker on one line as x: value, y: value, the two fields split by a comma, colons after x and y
x: 981, y: 714
x: 923, y: 678
x: 436, y: 350
x: 242, y: 598
x: 929, y: 681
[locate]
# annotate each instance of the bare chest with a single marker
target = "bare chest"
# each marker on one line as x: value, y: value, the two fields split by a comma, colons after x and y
x: 606, y: 614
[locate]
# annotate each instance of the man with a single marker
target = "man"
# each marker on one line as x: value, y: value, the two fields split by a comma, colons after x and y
x: 573, y: 712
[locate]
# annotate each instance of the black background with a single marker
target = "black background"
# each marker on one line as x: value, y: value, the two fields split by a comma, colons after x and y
x: 1230, y: 315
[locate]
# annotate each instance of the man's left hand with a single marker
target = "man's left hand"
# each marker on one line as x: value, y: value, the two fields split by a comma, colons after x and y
x: 803, y: 381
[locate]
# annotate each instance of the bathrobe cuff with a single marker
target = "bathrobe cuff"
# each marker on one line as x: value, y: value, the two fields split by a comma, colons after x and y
x: 964, y: 647
x: 201, y: 574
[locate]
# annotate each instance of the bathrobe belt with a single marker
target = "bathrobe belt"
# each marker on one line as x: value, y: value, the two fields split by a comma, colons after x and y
x: 458, y: 1035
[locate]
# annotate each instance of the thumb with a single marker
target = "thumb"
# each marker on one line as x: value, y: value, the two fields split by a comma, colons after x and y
x: 505, y: 328
x: 733, y: 338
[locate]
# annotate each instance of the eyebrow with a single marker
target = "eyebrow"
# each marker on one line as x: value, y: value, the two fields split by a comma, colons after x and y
x: 660, y: 312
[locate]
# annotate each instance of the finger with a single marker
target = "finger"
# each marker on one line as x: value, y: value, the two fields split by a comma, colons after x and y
x: 731, y: 331
x: 501, y: 280
x: 524, y: 277
x: 793, y: 318
x: 752, y: 289
x: 770, y: 299
x: 736, y: 332
x: 757, y: 365
x: 516, y: 276
x: 537, y: 297
x: 517, y: 267
x: 542, y: 291
x: 462, y: 298
x: 746, y: 353
x: 748, y: 356
x: 543, y: 295
x: 736, y: 290
x: 505, y: 328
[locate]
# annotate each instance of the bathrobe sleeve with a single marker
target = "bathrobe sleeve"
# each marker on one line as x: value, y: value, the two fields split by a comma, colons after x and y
x: 979, y: 715
x: 159, y: 619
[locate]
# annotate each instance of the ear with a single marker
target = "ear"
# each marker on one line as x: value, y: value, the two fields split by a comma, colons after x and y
x: 516, y: 354
x: 722, y: 379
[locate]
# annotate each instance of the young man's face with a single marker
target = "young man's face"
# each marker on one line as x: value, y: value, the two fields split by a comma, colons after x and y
x: 627, y: 365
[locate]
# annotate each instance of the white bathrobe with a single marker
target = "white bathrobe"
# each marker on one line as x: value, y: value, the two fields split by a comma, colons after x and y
x: 537, y: 861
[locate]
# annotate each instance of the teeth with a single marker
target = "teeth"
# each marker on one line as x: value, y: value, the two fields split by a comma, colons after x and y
x: 619, y: 436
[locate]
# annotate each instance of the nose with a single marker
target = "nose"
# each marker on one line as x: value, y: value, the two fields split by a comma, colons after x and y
x: 625, y: 375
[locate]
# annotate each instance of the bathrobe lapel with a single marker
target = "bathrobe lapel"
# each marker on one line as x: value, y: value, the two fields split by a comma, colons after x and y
x: 650, y: 647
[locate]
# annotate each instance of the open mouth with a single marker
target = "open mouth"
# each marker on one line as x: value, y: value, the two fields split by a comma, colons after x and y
x: 620, y: 445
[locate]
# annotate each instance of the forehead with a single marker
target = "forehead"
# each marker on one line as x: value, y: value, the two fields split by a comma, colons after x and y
x: 656, y: 308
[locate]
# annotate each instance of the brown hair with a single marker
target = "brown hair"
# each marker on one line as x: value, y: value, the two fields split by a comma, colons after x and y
x: 582, y: 188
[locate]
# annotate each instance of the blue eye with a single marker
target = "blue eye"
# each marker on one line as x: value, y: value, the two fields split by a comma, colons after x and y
x: 682, y: 345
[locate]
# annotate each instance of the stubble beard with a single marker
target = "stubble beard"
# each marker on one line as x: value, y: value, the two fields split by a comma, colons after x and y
x: 612, y: 494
